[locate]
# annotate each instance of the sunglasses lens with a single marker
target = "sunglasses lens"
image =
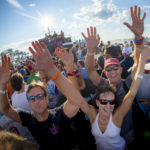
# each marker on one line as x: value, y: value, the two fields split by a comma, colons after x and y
x: 113, y: 68
x: 116, y: 68
x: 103, y: 102
x: 31, y: 98
x: 39, y: 96
x: 112, y: 102
x: 108, y: 69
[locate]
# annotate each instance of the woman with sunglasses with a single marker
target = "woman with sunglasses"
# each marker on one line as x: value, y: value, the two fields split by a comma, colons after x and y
x: 105, y: 121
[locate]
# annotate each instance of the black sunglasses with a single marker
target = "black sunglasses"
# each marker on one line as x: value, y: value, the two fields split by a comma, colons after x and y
x: 104, y: 102
x: 38, y: 96
x: 112, y: 68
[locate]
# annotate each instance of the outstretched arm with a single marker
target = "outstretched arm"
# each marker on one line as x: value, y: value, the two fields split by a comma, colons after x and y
x: 68, y: 59
x: 92, y: 41
x: 44, y: 63
x: 123, y: 109
x: 5, y: 106
x: 137, y: 28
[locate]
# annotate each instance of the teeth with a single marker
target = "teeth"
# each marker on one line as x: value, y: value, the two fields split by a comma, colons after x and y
x: 107, y: 110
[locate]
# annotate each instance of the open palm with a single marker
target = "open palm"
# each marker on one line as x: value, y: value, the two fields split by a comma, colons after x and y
x: 137, y: 26
x: 66, y: 57
x: 5, y: 70
x: 92, y: 40
x: 43, y: 60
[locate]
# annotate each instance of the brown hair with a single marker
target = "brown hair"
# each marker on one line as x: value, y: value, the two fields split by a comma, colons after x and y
x: 103, y: 89
x: 16, y: 81
x: 12, y: 141
x: 35, y: 84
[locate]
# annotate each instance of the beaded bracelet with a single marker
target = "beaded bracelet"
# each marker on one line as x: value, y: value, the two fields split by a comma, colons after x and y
x: 139, y: 42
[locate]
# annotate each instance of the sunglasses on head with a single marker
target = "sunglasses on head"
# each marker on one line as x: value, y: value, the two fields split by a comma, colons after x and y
x: 104, y: 102
x: 38, y: 97
x: 108, y: 69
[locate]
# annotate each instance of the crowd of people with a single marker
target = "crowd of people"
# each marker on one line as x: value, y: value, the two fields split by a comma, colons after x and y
x: 88, y: 97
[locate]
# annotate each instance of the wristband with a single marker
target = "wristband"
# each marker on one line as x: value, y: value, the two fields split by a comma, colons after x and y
x: 139, y: 76
x: 73, y: 73
x: 55, y: 78
x: 3, y: 91
x: 90, y: 53
x: 139, y: 42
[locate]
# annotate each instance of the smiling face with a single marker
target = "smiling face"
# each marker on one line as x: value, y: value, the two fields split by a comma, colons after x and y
x: 38, y: 106
x: 106, y: 108
x: 114, y: 76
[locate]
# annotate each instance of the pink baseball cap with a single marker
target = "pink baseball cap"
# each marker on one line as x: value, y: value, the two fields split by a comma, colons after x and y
x: 111, y: 61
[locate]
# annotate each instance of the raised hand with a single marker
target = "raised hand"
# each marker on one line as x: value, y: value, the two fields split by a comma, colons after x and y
x: 66, y: 57
x: 92, y: 40
x: 42, y: 57
x: 5, y: 70
x: 137, y: 26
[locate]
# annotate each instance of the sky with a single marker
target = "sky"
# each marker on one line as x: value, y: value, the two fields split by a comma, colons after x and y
x: 23, y: 21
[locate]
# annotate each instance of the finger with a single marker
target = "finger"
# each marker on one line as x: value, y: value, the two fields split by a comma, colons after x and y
x: 131, y: 13
x: 98, y: 38
x: 88, y: 32
x: 63, y: 50
x: 128, y: 25
x: 135, y: 11
x: 32, y: 64
x: 70, y: 51
x: 91, y: 30
x: 33, y: 53
x: 8, y: 61
x: 95, y: 31
x: 56, y: 50
x: 44, y: 46
x: 139, y: 12
x: 39, y: 46
x: 3, y: 61
x: 35, y: 47
x: 144, y: 15
x: 83, y: 35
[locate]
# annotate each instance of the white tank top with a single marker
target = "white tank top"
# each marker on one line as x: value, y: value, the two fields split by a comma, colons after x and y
x: 110, y: 139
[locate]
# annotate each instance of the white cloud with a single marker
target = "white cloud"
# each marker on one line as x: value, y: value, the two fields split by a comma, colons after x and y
x: 146, y: 7
x: 102, y: 11
x: 16, y: 4
x: 32, y: 5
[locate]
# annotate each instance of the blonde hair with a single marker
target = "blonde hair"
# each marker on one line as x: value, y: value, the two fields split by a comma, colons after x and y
x: 35, y: 84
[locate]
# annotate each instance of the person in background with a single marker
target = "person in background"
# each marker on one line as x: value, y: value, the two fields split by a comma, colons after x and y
x: 19, y: 99
x: 143, y: 94
x: 128, y: 61
x: 12, y: 141
x: 80, y: 125
x: 33, y: 76
x: 50, y: 88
